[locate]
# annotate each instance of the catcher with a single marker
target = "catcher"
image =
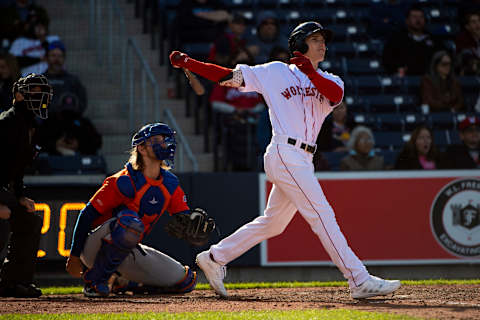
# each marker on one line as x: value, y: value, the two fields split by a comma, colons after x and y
x: 109, y: 229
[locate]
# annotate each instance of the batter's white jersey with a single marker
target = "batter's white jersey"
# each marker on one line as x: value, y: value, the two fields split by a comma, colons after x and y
x: 296, y: 108
x: 297, y: 111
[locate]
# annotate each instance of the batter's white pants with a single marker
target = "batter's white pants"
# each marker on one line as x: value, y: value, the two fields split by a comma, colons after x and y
x: 147, y: 265
x: 295, y: 186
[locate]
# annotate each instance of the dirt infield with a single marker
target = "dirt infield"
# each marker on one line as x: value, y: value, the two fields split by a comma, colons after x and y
x: 439, y: 302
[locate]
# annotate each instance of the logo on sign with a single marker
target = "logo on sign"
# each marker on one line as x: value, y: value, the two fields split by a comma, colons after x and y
x: 455, y: 217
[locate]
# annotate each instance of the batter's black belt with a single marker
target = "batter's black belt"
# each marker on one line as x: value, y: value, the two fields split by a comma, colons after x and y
x: 303, y: 145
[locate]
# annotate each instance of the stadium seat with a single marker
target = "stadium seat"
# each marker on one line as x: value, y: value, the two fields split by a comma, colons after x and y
x: 439, y: 15
x: 356, y: 104
x: 334, y: 158
x: 363, y: 66
x: 389, y: 157
x: 369, y: 84
x: 361, y: 3
x: 267, y: 4
x: 342, y: 49
x: 333, y: 66
x: 389, y: 122
x: 350, y: 32
x: 349, y: 86
x: 442, y: 120
x: 364, y: 119
x: 236, y: 4
x: 327, y: 3
x: 412, y: 84
x: 441, y: 138
x: 51, y: 164
x: 470, y: 100
x: 443, y: 30
x: 391, y: 103
x: 198, y: 50
x: 470, y: 84
x: 412, y: 120
x: 366, y: 50
x: 390, y: 140
x: 392, y: 85
x: 453, y: 137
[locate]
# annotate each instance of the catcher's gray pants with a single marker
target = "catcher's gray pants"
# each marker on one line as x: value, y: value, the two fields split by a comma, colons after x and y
x: 148, y: 266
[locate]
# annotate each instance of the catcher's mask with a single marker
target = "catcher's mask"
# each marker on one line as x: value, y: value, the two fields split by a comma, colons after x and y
x: 296, y: 41
x: 36, y: 101
x: 163, y: 151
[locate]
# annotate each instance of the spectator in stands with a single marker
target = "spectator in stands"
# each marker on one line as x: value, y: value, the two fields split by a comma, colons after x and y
x: 466, y: 155
x: 419, y: 152
x: 68, y: 133
x: 362, y: 156
x: 335, y: 132
x: 440, y: 90
x: 63, y: 82
x: 279, y: 54
x: 201, y: 20
x: 408, y: 52
x: 266, y: 38
x: 9, y: 73
x: 386, y: 17
x: 230, y: 100
x: 30, y: 50
x: 20, y: 17
x: 231, y: 44
x: 468, y: 45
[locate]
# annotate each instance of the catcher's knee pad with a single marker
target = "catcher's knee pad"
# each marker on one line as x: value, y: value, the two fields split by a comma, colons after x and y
x: 188, y: 283
x: 108, y: 258
x: 127, y: 230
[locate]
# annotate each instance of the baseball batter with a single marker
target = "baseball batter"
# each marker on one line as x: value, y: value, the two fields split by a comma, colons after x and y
x: 122, y: 212
x: 299, y: 97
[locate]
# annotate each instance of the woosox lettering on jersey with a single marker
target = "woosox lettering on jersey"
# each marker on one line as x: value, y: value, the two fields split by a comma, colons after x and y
x: 306, y: 92
x: 296, y: 107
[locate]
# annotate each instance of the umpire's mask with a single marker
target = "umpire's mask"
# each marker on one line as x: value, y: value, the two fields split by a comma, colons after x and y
x: 37, y: 100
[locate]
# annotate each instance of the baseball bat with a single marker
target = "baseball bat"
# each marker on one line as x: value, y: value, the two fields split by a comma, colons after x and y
x: 194, y: 82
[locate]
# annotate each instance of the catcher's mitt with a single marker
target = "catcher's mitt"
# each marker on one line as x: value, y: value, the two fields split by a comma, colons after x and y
x: 195, y: 227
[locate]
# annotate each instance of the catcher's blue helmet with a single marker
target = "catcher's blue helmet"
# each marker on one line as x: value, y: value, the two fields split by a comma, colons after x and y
x: 154, y: 129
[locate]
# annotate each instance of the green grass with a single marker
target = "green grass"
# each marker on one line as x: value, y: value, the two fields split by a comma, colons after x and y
x: 322, y: 314
x: 257, y: 285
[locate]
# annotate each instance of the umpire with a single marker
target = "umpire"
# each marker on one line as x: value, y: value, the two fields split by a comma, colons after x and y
x: 32, y: 95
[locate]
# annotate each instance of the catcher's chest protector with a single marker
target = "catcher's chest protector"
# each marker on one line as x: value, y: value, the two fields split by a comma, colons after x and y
x: 149, y: 198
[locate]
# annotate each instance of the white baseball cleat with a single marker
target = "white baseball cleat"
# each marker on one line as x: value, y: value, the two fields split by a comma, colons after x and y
x: 213, y: 271
x: 374, y: 286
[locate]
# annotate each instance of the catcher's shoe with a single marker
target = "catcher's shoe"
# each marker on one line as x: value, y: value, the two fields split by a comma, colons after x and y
x: 97, y: 290
x: 213, y: 271
x: 374, y: 286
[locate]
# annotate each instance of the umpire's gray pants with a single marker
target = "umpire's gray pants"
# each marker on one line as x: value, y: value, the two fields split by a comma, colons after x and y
x: 150, y: 267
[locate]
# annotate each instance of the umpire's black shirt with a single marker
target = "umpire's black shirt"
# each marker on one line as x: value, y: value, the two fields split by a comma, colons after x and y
x: 17, y: 127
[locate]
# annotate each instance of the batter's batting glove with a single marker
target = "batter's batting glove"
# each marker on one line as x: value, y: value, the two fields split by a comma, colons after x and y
x: 303, y: 63
x: 178, y: 59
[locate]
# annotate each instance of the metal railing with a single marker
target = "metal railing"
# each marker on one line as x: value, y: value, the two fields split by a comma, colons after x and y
x: 140, y: 89
x: 184, y: 147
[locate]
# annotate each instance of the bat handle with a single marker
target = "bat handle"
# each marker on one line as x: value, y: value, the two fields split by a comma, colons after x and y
x: 194, y: 83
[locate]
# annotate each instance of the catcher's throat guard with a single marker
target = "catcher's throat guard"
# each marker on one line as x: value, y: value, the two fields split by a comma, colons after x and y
x: 163, y: 151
